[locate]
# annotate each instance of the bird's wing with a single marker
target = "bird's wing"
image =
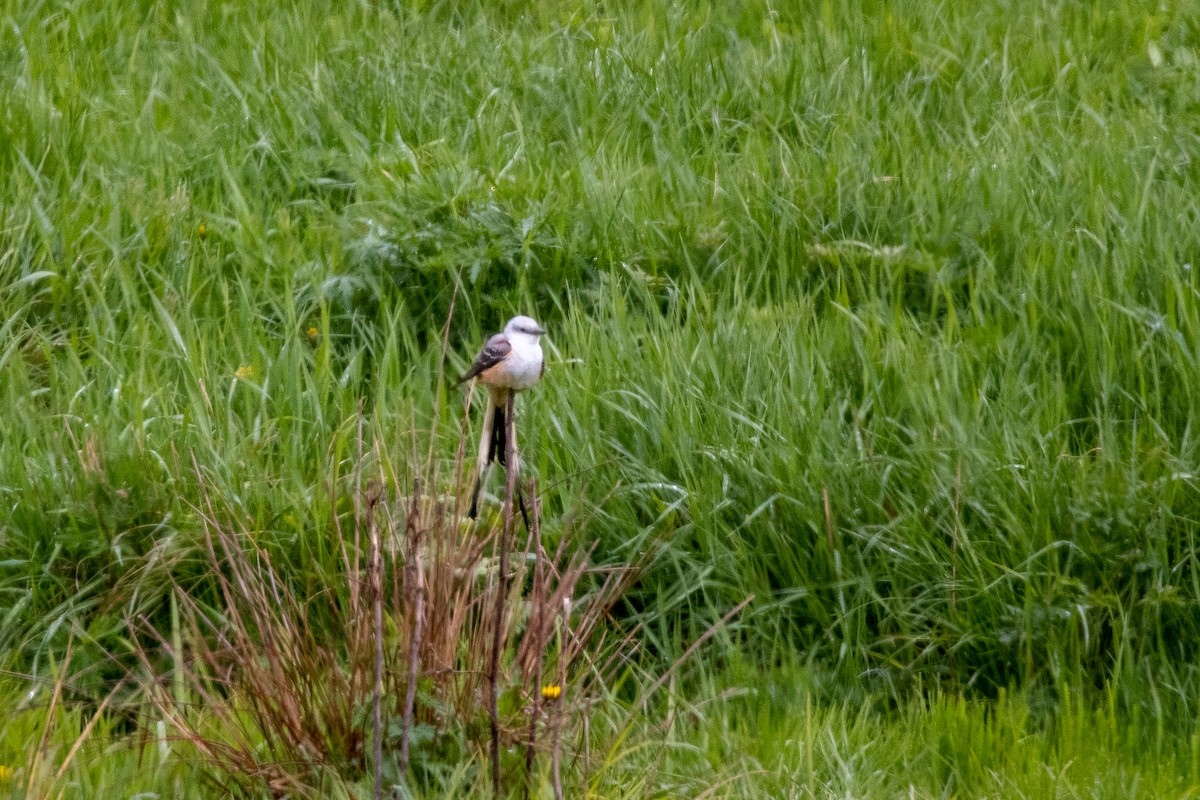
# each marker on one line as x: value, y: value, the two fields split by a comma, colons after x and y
x: 495, y: 350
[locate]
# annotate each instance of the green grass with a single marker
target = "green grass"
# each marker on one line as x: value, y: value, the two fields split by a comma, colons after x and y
x: 763, y: 735
x: 886, y: 314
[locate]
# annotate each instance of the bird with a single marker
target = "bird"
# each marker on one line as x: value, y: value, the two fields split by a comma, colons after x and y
x: 510, y: 361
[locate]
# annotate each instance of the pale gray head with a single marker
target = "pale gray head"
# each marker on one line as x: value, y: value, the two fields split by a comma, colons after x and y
x: 525, y: 325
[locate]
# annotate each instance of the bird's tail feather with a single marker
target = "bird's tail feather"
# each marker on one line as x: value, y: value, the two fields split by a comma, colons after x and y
x: 496, y: 448
x: 474, y: 511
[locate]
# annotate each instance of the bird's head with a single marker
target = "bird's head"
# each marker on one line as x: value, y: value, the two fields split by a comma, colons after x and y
x: 523, y: 325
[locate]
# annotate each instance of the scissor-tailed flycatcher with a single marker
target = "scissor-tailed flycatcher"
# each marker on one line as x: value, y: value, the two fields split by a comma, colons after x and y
x: 509, y: 362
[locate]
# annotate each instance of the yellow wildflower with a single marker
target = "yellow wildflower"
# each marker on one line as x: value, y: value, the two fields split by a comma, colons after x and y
x: 312, y: 334
x: 202, y: 230
x: 244, y: 373
x: 551, y: 691
x: 5, y: 772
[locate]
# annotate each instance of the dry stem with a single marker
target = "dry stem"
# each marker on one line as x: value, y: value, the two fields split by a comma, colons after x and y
x: 510, y: 485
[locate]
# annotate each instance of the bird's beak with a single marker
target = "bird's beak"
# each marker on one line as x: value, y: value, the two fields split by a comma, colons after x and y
x: 540, y: 331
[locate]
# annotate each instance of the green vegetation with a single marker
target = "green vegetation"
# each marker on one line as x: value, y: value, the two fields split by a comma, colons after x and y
x: 884, y: 314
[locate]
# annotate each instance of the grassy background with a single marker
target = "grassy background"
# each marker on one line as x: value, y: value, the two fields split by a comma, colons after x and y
x: 884, y: 313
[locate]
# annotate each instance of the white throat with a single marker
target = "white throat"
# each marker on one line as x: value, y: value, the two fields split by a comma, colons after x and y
x: 523, y: 341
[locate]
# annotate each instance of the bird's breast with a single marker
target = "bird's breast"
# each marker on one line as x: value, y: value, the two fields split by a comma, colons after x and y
x: 520, y: 370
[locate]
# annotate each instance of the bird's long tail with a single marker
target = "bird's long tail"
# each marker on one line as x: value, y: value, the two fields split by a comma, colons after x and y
x: 496, y: 449
x: 492, y: 448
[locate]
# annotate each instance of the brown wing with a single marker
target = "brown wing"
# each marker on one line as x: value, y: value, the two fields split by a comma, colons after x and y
x: 495, y: 350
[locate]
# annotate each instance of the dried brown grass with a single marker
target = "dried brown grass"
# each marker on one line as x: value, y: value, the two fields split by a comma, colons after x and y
x: 276, y: 688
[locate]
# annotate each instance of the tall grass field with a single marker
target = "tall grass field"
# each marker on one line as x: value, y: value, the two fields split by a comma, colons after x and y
x: 866, y: 462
